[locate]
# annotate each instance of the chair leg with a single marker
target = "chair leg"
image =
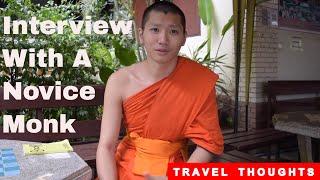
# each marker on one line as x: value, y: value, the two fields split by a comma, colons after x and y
x: 316, y: 150
x: 277, y: 147
x: 269, y: 152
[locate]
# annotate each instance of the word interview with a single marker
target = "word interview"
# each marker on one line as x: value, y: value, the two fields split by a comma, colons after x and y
x: 48, y: 27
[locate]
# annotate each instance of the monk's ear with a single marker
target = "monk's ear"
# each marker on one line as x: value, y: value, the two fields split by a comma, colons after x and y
x: 141, y: 40
x: 184, y: 38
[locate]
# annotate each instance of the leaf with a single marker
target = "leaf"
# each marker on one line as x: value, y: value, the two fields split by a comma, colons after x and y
x: 1, y: 120
x: 104, y: 73
x: 126, y: 56
x: 221, y: 88
x: 205, y: 11
x: 231, y: 67
x: 27, y: 2
x: 220, y: 57
x: 227, y: 26
x: 64, y: 1
x: 100, y: 52
x: 206, y: 58
x: 202, y: 45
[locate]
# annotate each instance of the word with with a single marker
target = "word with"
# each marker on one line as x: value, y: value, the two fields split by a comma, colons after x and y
x: 14, y: 58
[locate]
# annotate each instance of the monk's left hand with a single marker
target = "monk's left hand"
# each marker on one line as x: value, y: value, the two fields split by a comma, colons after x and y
x: 150, y: 177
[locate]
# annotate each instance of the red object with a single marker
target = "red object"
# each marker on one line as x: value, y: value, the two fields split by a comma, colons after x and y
x: 243, y: 170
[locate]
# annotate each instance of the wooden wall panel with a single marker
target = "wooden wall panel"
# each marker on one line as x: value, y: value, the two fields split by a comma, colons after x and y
x: 190, y: 9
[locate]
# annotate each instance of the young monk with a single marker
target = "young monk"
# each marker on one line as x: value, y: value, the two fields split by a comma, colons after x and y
x: 164, y: 101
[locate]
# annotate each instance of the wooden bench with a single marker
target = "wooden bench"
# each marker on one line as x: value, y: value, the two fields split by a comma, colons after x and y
x: 301, y: 96
x: 255, y: 138
x: 265, y: 137
x: 229, y: 155
x: 290, y: 96
x: 237, y: 156
x: 87, y: 133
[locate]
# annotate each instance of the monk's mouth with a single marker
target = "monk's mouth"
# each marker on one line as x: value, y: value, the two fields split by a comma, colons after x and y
x: 162, y: 50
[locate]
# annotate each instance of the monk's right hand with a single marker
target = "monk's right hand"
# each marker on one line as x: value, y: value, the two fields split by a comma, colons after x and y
x: 150, y: 177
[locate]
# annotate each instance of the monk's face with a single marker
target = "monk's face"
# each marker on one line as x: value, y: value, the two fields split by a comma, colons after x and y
x: 162, y: 36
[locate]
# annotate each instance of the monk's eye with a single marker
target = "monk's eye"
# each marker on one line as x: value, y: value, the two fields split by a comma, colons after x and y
x: 174, y: 32
x: 154, y: 29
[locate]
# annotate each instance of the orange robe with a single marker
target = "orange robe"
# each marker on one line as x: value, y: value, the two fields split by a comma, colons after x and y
x: 179, y: 107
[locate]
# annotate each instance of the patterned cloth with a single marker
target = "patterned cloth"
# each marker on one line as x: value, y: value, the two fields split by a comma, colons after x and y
x: 313, y: 117
x: 8, y: 163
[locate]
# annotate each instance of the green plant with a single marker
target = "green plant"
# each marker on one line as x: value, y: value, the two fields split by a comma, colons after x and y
x: 103, y: 50
x: 206, y: 14
x: 216, y: 62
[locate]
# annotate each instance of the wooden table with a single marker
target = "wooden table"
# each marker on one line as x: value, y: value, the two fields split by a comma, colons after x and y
x: 303, y: 123
x: 50, y: 166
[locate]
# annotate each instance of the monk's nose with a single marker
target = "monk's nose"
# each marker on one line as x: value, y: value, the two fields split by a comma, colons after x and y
x: 163, y: 38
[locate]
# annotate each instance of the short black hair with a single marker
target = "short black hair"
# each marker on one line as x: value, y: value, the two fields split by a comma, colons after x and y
x: 165, y: 7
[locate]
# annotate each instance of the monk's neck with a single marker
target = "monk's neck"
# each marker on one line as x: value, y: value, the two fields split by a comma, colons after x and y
x: 160, y: 70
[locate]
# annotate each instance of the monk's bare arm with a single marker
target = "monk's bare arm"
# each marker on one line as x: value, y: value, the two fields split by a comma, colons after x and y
x: 200, y: 155
x: 110, y: 127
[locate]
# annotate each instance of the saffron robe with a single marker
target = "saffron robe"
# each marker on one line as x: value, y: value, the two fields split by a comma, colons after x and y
x: 181, y: 106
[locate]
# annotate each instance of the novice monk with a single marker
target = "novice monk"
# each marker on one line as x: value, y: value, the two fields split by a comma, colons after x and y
x: 163, y: 101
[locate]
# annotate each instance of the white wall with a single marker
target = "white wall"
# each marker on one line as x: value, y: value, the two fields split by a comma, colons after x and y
x: 295, y: 64
x: 223, y: 11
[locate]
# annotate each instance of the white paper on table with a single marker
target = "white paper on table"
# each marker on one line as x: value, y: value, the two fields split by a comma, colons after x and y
x: 58, y: 156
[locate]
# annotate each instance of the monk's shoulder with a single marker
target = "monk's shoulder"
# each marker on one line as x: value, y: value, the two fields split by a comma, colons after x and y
x: 118, y: 79
x: 122, y: 76
x: 198, y: 68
